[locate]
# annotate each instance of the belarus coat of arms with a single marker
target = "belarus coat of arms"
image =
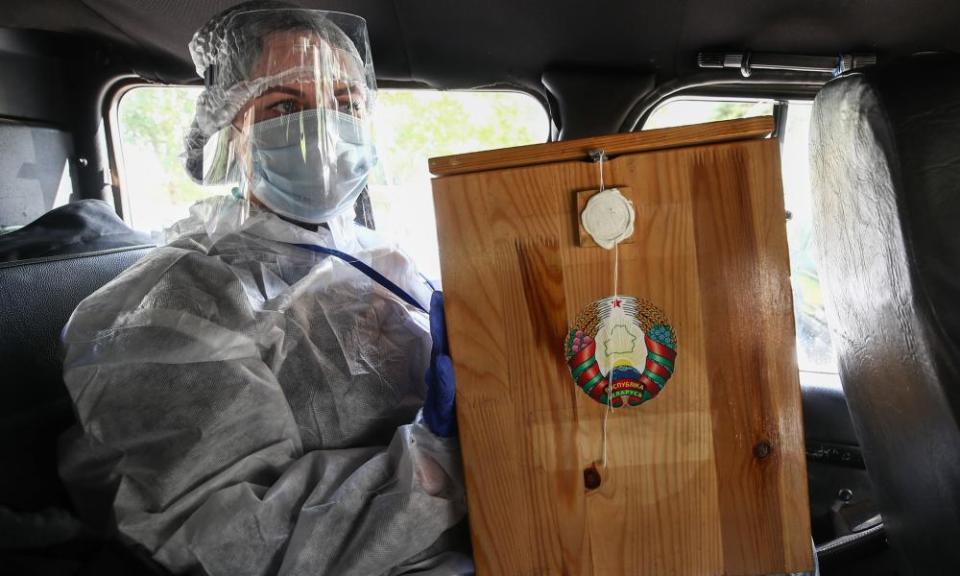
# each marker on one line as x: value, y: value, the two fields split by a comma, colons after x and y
x: 621, y: 351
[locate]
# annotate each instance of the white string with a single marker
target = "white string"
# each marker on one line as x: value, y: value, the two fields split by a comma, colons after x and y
x: 616, y: 288
x: 605, y: 413
x: 609, y: 409
x: 602, y: 154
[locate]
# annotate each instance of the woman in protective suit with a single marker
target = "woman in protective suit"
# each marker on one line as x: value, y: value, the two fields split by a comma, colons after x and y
x: 251, y: 395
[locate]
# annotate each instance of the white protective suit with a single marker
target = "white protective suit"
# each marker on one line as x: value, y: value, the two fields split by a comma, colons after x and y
x: 247, y: 406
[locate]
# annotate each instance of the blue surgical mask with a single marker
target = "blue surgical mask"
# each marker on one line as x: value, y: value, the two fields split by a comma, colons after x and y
x: 311, y: 165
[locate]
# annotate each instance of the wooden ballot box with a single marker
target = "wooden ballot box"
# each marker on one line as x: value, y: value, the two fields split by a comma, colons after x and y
x: 704, y: 470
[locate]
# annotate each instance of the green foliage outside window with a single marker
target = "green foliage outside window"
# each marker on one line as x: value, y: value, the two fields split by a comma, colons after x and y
x: 411, y: 125
x: 156, y: 119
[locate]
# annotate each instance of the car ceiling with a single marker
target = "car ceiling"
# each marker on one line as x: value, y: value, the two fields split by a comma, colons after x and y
x: 474, y: 43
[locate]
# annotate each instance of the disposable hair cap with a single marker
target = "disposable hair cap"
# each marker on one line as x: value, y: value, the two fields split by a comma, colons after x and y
x: 304, y: 77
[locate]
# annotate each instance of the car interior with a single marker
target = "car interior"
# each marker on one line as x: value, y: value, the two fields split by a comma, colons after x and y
x: 866, y: 99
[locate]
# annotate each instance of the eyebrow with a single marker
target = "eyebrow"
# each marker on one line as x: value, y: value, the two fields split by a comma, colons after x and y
x: 282, y: 90
x: 345, y: 89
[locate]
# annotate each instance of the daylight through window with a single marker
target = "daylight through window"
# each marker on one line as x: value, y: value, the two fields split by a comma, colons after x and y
x: 815, y: 353
x: 411, y: 126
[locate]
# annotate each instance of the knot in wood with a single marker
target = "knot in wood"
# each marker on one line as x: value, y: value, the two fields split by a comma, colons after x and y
x: 762, y: 450
x: 591, y: 478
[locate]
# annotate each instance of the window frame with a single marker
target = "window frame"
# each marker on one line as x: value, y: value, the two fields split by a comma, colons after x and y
x: 113, y: 147
x: 766, y: 84
x: 698, y: 96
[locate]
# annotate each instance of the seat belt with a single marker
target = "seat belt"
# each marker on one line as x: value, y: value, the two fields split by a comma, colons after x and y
x: 370, y: 272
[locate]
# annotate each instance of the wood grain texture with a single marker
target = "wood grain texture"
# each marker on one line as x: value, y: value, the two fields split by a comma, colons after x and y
x: 613, y: 145
x: 683, y: 492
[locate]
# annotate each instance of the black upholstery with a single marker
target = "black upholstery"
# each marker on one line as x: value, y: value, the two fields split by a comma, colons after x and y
x: 36, y: 299
x: 78, y: 227
x: 885, y: 154
x: 826, y: 416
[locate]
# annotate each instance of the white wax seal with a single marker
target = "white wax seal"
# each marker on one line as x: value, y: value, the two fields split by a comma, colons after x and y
x: 608, y: 218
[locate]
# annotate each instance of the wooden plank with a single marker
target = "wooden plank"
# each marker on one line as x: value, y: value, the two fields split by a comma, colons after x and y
x: 613, y: 145
x: 751, y: 354
x: 683, y: 492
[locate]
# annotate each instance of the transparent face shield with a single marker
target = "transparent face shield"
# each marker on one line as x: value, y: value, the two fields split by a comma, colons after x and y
x: 287, y: 109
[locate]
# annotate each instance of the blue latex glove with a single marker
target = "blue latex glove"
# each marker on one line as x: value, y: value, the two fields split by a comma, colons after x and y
x: 438, y: 409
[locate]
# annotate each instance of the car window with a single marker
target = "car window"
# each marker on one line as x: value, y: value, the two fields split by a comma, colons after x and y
x: 411, y: 126
x: 35, y: 172
x: 152, y: 122
x: 682, y: 112
x: 815, y: 352
x: 414, y: 125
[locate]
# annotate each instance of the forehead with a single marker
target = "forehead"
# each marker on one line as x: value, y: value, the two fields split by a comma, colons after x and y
x: 331, y: 56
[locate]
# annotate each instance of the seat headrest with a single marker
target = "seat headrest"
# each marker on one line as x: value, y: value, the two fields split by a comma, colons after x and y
x: 885, y: 145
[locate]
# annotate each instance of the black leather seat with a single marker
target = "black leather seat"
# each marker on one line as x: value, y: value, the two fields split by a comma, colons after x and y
x: 37, y: 297
x: 885, y: 154
x: 46, y: 269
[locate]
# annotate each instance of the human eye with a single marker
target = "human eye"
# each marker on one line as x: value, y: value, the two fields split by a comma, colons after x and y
x: 284, y: 107
x: 349, y: 106
x: 349, y: 100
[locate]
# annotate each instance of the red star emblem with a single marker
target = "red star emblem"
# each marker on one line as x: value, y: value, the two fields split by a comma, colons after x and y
x: 616, y: 302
